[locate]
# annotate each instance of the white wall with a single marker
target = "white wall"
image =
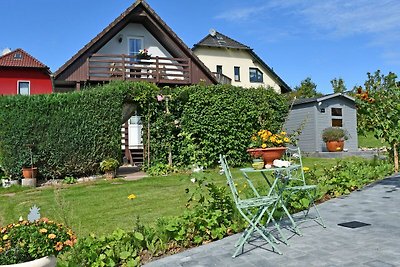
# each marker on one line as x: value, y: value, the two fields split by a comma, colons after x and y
x: 228, y: 59
x: 134, y: 30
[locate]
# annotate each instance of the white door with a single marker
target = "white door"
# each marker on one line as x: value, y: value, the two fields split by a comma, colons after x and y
x: 135, y: 132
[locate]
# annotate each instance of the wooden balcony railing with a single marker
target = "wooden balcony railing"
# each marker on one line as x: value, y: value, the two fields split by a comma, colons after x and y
x: 106, y: 67
x: 222, y: 79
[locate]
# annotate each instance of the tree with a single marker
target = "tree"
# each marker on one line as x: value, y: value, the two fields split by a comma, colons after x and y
x: 307, y: 89
x: 338, y: 85
x: 378, y: 106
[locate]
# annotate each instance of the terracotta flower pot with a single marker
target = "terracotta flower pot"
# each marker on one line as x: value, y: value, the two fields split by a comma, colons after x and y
x: 335, y: 146
x: 268, y: 154
x: 29, y: 172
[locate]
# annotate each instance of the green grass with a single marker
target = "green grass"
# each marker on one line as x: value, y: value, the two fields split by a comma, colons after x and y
x: 102, y: 206
x: 370, y: 141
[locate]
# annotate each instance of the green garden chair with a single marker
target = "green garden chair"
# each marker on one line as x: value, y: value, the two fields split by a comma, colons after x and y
x: 253, y: 209
x: 296, y: 184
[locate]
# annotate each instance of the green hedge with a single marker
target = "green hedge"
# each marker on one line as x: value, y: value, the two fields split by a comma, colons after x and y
x: 204, y: 121
x: 71, y: 132
x: 75, y: 131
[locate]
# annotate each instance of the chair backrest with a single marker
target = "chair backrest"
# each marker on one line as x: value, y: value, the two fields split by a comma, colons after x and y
x: 229, y: 178
x: 293, y: 154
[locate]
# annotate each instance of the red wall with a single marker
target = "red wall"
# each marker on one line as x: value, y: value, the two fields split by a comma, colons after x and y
x: 40, y: 82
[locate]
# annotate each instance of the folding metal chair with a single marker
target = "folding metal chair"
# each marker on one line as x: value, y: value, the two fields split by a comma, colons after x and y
x: 296, y: 184
x: 253, y: 209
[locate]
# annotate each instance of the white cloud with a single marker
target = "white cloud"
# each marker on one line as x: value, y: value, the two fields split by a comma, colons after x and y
x: 239, y: 14
x: 376, y: 21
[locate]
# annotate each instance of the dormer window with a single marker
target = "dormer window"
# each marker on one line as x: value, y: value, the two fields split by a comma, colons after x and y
x: 17, y: 56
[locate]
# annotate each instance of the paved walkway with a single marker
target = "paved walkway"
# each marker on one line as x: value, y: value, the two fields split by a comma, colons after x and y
x: 376, y: 245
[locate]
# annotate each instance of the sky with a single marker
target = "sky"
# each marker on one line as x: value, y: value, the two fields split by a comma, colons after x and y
x: 298, y: 39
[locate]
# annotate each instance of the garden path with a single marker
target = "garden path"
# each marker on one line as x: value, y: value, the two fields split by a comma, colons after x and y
x: 374, y: 245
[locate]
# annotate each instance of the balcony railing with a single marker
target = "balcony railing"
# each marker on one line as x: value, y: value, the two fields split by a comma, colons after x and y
x: 105, y: 67
x: 222, y: 79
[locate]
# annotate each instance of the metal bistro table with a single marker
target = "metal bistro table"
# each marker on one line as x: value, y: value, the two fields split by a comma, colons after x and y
x: 280, y: 177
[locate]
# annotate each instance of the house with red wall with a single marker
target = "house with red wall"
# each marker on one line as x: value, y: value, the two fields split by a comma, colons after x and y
x: 20, y: 73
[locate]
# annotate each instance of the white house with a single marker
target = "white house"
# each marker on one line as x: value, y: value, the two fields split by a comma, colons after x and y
x: 235, y: 63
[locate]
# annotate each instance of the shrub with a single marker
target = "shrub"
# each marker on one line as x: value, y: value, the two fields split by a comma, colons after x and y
x: 109, y: 165
x: 26, y: 241
x: 72, y: 132
x: 200, y: 122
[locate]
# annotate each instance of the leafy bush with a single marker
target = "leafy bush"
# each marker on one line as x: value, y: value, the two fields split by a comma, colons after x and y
x: 109, y: 164
x: 25, y: 241
x: 334, y: 134
x: 199, y: 122
x: 118, y: 249
x: 71, y: 132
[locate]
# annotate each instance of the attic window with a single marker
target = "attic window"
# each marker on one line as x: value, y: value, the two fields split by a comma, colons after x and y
x: 18, y: 56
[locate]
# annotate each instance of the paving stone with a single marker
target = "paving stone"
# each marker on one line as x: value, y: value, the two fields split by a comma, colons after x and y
x: 374, y: 245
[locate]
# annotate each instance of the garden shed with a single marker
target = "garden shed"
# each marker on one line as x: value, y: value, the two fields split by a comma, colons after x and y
x: 312, y: 115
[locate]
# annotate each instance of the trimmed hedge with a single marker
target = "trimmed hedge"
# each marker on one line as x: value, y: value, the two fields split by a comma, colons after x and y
x: 72, y: 132
x: 204, y: 121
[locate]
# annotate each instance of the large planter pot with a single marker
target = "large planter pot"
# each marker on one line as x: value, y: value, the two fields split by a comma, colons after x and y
x: 29, y: 172
x: 335, y: 146
x: 49, y: 261
x: 268, y: 154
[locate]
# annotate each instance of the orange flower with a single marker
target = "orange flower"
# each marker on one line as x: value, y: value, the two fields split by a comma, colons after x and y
x: 69, y: 243
x: 43, y: 231
x: 59, y: 246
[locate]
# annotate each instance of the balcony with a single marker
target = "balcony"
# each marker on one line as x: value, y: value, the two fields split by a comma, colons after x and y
x: 222, y: 79
x: 160, y: 70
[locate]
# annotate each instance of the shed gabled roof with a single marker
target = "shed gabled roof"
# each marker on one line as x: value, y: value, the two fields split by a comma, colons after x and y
x: 321, y: 98
x: 219, y: 40
x: 138, y: 12
x: 20, y: 59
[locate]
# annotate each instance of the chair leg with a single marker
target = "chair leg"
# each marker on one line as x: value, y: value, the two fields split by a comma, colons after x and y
x: 254, y: 225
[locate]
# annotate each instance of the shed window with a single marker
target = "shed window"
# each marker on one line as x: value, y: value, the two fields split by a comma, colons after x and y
x: 336, y: 112
x: 337, y: 123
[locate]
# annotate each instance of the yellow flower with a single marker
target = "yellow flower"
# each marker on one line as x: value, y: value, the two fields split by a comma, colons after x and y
x: 306, y: 169
x: 286, y: 140
x: 263, y: 145
x: 283, y: 133
x: 131, y: 196
x: 5, y: 237
x: 43, y: 231
x: 51, y: 236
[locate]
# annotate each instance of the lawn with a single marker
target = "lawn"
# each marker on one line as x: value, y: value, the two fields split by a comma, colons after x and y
x: 103, y: 206
x: 370, y: 141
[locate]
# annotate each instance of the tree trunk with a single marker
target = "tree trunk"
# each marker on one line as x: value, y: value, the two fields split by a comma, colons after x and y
x: 396, y: 157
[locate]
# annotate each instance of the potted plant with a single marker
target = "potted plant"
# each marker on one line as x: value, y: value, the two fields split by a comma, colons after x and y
x: 334, y: 138
x: 34, y: 243
x: 30, y: 171
x: 143, y: 54
x: 109, y: 167
x: 268, y: 146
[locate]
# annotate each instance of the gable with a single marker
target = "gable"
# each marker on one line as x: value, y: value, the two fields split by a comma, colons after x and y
x: 137, y: 14
x: 20, y: 59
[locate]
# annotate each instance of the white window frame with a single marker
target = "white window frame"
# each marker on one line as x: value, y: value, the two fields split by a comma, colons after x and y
x: 258, y: 72
x: 23, y: 81
x: 236, y: 76
x: 134, y: 37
